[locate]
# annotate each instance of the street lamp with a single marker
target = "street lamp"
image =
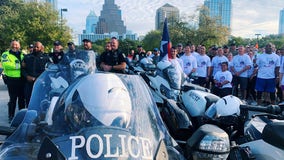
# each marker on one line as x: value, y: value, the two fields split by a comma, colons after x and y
x: 257, y: 35
x: 61, y: 15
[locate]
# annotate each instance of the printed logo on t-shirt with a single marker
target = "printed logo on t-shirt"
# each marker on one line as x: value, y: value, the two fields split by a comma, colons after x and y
x: 222, y: 78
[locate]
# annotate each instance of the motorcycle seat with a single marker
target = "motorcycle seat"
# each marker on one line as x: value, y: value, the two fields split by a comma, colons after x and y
x: 273, y: 134
x: 192, y: 86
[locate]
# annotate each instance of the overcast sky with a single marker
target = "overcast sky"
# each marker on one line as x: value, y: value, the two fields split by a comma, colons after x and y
x: 248, y: 17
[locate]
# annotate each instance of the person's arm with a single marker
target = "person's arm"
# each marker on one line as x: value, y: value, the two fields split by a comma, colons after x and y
x: 209, y: 70
x: 106, y: 67
x: 277, y: 72
x: 280, y: 79
x: 119, y: 67
x: 25, y: 73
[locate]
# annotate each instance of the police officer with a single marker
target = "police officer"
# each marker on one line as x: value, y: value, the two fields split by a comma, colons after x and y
x: 114, y: 60
x: 32, y: 66
x: 140, y: 54
x: 88, y: 55
x: 57, y: 55
x: 71, y: 53
x: 11, y: 62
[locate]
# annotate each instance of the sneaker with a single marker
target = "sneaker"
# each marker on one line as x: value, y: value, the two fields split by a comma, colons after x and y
x: 244, y: 101
x: 10, y: 119
x: 281, y: 103
x: 254, y: 103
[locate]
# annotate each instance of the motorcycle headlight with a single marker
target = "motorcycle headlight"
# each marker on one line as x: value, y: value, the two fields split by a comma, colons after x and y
x: 211, y: 143
x: 165, y: 91
x: 208, y: 142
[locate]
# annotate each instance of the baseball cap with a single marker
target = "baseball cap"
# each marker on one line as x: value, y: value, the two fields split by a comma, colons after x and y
x: 31, y: 46
x: 179, y: 45
x: 57, y: 43
x: 70, y: 43
x: 86, y: 40
x: 155, y: 49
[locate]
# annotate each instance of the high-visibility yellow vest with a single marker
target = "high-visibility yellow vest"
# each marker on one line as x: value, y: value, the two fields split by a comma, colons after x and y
x: 11, y: 64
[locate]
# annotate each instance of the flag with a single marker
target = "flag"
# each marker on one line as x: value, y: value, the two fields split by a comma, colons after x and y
x: 165, y: 43
x: 256, y: 45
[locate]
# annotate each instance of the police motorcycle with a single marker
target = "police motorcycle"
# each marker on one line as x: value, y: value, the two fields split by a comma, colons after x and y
x: 179, y: 104
x: 99, y: 116
x: 263, y: 133
x: 47, y: 88
x: 65, y: 128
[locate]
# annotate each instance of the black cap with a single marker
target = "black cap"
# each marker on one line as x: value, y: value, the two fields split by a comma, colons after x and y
x: 139, y: 46
x: 86, y: 40
x: 57, y: 43
x: 70, y: 43
x: 155, y: 49
x: 31, y: 46
x: 214, y: 48
x: 226, y: 47
x: 179, y: 45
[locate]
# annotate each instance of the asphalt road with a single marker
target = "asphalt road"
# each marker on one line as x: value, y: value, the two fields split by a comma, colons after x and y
x: 4, y: 98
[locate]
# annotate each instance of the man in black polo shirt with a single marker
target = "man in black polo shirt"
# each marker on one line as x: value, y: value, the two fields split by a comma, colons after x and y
x: 114, y: 60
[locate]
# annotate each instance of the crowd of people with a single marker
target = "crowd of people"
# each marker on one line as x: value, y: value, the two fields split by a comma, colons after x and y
x: 254, y: 75
x: 250, y: 73
x: 22, y: 70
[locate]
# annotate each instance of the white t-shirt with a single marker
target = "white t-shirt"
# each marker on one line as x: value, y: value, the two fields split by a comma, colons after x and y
x: 189, y: 62
x: 203, y: 62
x: 240, y: 62
x: 252, y: 68
x: 177, y: 63
x: 266, y: 65
x: 216, y: 63
x: 223, y: 76
x: 195, y: 54
x: 281, y: 70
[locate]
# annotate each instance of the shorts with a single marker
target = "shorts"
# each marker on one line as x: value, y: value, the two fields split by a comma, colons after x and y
x: 265, y: 85
x: 242, y: 81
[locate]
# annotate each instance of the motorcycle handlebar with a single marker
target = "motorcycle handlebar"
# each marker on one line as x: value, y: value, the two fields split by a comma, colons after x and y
x: 273, y: 109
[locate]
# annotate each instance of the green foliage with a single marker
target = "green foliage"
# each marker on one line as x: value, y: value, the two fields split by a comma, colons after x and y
x: 185, y: 31
x: 124, y: 45
x: 152, y: 40
x: 30, y: 22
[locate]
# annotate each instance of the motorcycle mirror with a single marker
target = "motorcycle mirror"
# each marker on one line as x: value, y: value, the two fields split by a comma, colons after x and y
x: 162, y: 152
x: 48, y: 150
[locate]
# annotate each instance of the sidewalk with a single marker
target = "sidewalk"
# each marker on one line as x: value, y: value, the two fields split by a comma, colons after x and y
x: 4, y: 98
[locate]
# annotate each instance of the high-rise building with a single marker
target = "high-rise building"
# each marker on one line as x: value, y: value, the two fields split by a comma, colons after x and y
x: 281, y: 22
x: 220, y: 9
x: 169, y: 11
x: 91, y: 22
x: 53, y: 3
x: 110, y: 19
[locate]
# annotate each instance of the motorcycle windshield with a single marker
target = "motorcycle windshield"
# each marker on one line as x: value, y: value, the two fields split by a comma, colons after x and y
x: 102, y: 116
x: 174, y: 77
x: 121, y: 107
x: 52, y: 82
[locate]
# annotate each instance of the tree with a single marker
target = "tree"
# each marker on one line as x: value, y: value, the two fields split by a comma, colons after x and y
x: 152, y: 40
x: 30, y: 22
x: 201, y: 29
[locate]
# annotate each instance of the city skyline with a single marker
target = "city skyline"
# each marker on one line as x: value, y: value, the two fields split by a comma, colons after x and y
x: 248, y: 17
